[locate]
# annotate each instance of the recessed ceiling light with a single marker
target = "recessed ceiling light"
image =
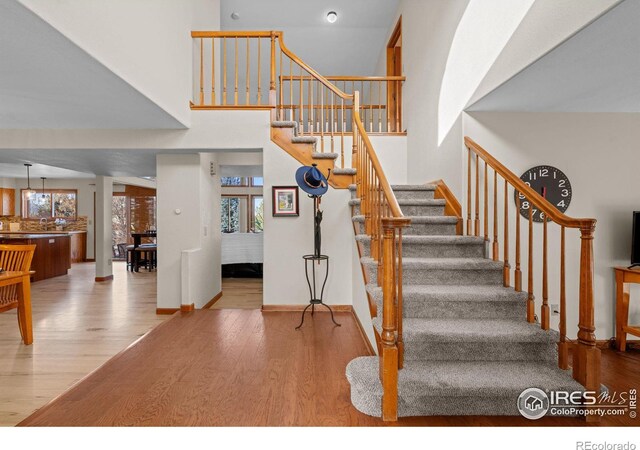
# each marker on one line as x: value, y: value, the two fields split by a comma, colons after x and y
x: 332, y: 17
x: 235, y: 15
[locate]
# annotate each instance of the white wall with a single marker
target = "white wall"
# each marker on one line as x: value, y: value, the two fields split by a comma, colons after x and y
x: 598, y: 153
x: 150, y: 47
x: 86, y: 188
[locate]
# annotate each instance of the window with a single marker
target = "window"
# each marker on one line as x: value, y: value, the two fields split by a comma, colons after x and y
x: 235, y: 181
x: 257, y: 181
x: 234, y: 214
x: 257, y: 213
x: 50, y: 204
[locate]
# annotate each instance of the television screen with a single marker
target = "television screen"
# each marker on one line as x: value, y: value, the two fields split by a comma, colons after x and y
x: 635, y: 240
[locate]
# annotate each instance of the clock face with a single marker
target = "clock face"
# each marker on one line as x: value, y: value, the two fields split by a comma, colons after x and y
x: 551, y: 184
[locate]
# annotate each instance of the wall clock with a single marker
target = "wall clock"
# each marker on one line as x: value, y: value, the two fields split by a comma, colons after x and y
x: 550, y: 183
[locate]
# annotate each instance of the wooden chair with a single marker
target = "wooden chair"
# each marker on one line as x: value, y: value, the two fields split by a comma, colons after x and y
x: 15, y: 258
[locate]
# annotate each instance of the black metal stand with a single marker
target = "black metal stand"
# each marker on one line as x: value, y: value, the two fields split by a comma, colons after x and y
x: 314, y: 299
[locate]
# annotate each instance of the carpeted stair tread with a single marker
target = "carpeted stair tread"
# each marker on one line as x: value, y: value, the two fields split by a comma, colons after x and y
x: 413, y: 187
x: 467, y: 330
x: 454, y: 293
x: 318, y: 155
x: 409, y: 202
x: 284, y: 124
x: 448, y: 220
x: 444, y: 263
x: 304, y: 140
x: 505, y: 379
x: 345, y: 171
x: 432, y: 240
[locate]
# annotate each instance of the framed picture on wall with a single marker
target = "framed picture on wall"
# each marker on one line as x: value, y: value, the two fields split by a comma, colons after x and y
x: 285, y: 201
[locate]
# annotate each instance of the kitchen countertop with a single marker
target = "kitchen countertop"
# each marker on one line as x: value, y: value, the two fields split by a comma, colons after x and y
x: 52, y: 232
x: 26, y: 235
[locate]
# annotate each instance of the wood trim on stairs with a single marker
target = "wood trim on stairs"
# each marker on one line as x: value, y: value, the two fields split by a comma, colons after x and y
x: 187, y: 308
x: 212, y: 302
x: 453, y: 206
x: 101, y: 279
x: 363, y: 333
x: 302, y: 153
x: 300, y: 308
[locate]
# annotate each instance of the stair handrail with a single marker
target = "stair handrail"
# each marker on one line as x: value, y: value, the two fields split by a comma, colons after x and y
x: 586, y: 356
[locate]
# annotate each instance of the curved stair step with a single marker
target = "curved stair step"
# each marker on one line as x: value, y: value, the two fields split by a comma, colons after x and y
x: 454, y: 388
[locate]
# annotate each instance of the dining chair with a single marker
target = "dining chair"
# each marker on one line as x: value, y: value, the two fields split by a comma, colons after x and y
x: 14, y: 258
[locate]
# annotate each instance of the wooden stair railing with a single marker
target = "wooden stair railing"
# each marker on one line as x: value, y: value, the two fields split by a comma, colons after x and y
x: 586, y: 356
x: 321, y: 110
x: 383, y: 222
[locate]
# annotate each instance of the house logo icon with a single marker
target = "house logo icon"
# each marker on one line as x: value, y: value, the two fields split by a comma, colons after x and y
x: 533, y: 403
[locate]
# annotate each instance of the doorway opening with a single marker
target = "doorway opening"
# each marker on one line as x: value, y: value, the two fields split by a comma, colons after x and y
x: 394, y: 69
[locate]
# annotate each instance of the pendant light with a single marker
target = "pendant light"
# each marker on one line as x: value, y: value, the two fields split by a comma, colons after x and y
x: 43, y: 178
x: 29, y: 191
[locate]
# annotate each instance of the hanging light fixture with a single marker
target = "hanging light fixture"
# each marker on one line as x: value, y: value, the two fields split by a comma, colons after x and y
x: 29, y: 191
x: 43, y: 178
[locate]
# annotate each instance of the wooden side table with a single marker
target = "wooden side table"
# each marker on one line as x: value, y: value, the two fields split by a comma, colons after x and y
x: 624, y: 277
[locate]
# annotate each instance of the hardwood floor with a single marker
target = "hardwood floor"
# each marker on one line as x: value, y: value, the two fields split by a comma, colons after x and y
x: 240, y: 293
x: 78, y: 325
x: 251, y: 368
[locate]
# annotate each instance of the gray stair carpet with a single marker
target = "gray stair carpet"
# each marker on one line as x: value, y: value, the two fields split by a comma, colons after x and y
x: 468, y: 347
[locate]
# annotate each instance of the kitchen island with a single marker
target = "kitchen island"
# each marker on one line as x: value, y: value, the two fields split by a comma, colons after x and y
x: 53, y: 254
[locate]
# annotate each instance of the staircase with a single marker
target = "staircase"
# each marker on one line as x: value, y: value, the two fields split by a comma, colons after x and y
x: 467, y: 347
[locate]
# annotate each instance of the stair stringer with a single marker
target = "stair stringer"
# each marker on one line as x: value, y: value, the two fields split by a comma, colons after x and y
x: 303, y: 153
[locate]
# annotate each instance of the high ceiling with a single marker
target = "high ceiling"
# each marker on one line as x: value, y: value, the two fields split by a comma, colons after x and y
x: 350, y: 46
x: 597, y: 70
x: 46, y: 81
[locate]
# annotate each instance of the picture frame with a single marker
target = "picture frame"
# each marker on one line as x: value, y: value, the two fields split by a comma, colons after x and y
x: 285, y: 201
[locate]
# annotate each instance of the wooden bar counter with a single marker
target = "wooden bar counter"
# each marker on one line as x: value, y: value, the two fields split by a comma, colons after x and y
x: 52, y: 256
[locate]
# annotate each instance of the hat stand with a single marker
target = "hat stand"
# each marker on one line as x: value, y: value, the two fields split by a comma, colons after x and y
x: 316, y: 259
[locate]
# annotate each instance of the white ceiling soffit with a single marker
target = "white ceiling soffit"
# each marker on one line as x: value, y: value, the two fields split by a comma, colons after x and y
x: 46, y: 81
x: 350, y: 46
x: 18, y: 170
x: 597, y: 70
x: 89, y: 162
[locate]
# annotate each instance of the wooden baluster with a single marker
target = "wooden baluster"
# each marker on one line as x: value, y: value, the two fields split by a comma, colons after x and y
x: 310, y: 101
x: 248, y: 83
x: 224, y: 71
x: 530, y: 297
x: 235, y: 64
x: 399, y: 300
x: 517, y: 273
x: 389, y: 356
x: 213, y: 71
x: 486, y: 207
x: 370, y: 108
x: 506, y: 271
x: 321, y: 87
x: 331, y: 94
x: 387, y: 112
x: 259, y: 72
x: 563, y: 345
x: 397, y: 103
x: 544, y: 316
x: 495, y: 217
x: 280, y: 81
x: 291, y: 112
x: 586, y: 356
x: 364, y: 105
x: 201, y: 72
x: 354, y: 152
x: 477, y: 220
x: 468, y: 192
x: 342, y: 131
x: 379, y: 106
x: 312, y: 111
x: 301, y: 110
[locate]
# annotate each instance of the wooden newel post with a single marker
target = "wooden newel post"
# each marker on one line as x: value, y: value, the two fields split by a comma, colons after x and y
x: 389, y: 354
x: 272, y: 77
x: 586, y: 357
x: 355, y: 157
